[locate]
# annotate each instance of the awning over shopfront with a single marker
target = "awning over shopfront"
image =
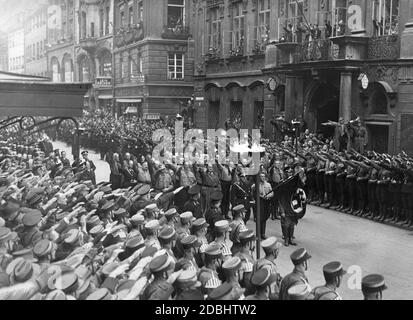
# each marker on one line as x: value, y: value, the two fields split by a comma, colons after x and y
x: 22, y: 95
x: 105, y: 97
x: 124, y: 100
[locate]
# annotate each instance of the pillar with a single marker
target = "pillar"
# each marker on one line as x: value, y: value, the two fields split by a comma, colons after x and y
x: 345, y: 95
x: 289, y: 97
x: 299, y: 97
x: 248, y: 110
x: 223, y: 108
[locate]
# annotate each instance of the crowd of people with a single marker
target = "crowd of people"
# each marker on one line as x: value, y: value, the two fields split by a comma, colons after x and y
x: 167, y: 231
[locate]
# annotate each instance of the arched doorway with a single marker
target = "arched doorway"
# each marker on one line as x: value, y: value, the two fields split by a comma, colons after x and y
x: 55, y: 67
x: 67, y: 72
x: 324, y: 106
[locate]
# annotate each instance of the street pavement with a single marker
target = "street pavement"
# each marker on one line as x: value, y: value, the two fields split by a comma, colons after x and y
x: 361, y: 245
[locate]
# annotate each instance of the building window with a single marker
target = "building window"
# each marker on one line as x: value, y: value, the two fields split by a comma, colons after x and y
x: 92, y: 29
x: 385, y: 15
x: 140, y: 11
x: 214, y: 31
x: 101, y: 22
x: 264, y: 11
x: 107, y: 20
x: 84, y: 69
x: 238, y: 29
x: 68, y: 72
x: 83, y: 26
x: 131, y: 15
x: 105, y: 65
x: 175, y: 66
x: 176, y: 13
x: 55, y: 71
x: 122, y: 16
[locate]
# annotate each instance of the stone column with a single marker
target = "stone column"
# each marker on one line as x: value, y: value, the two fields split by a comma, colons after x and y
x: 290, y: 98
x: 299, y: 97
x: 223, y: 108
x: 345, y: 95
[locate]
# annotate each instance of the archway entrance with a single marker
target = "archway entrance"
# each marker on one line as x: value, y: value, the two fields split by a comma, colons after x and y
x: 324, y: 106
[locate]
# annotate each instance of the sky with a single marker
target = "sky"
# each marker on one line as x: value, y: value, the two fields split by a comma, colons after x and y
x: 9, y: 8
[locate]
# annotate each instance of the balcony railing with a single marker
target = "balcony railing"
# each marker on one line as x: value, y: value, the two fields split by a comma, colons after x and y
x: 386, y: 47
x: 316, y: 50
x: 178, y: 32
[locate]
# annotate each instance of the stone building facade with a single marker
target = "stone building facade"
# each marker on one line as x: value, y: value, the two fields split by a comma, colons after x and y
x: 153, y: 56
x: 35, y: 29
x: 316, y: 60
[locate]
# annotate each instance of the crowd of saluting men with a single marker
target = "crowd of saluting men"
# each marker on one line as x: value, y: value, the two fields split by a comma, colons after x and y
x: 162, y: 231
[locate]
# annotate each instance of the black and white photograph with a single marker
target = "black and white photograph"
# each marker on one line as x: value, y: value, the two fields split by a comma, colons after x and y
x: 204, y: 151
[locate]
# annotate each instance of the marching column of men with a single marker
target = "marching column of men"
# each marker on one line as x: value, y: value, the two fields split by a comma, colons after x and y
x: 137, y: 242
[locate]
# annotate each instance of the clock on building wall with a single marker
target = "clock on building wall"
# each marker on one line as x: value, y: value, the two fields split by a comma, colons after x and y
x: 272, y: 84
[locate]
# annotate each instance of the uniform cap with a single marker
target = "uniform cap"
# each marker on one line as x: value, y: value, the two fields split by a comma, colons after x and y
x: 72, y: 236
x: 220, y: 292
x: 32, y: 218
x: 271, y: 243
x: 199, y: 224
x: 190, y: 242
x: 100, y: 294
x: 134, y: 242
x: 299, y: 256
x: 334, y: 268
x: 5, y: 233
x: 138, y: 218
x: 373, y: 283
x: 263, y: 277
x: 238, y: 208
x: 170, y: 212
x: 67, y: 282
x: 119, y: 212
x: 299, y: 292
x: 186, y: 217
x: 213, y: 250
x: 56, y: 295
x: 188, y: 278
x: 222, y: 225
x: 167, y: 233
x: 232, y: 264
x: 151, y: 208
x: 42, y: 248
x: 107, y: 269
x: 152, y: 225
x: 246, y: 236
x: 159, y: 263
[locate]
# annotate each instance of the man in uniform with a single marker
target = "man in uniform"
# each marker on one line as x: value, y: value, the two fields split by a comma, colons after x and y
x: 225, y: 176
x: 373, y: 286
x: 299, y: 258
x: 247, y: 240
x: 90, y: 167
x: 241, y: 193
x: 193, y: 205
x: 237, y: 226
x: 263, y: 279
x: 151, y: 229
x: 187, y: 262
x: 266, y: 194
x: 199, y: 229
x: 143, y: 199
x: 214, y: 213
x: 159, y: 288
x: 333, y: 274
x: 208, y: 275
x: 231, y: 269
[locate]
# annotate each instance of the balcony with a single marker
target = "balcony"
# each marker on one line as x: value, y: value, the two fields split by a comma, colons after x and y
x: 385, y: 47
x: 316, y: 50
x: 88, y: 44
x: 178, y: 32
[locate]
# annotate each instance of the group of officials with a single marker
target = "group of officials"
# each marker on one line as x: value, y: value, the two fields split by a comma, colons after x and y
x: 169, y: 236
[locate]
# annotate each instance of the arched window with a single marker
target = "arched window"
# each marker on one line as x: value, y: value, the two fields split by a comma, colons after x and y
x: 55, y: 70
x: 67, y: 69
x: 105, y: 64
x: 84, y: 69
